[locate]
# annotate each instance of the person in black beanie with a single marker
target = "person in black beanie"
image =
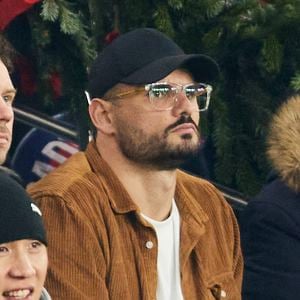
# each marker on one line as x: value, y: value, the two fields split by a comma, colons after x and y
x: 23, y: 244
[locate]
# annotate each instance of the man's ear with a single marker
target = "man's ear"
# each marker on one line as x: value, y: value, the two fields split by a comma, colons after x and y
x: 100, y: 114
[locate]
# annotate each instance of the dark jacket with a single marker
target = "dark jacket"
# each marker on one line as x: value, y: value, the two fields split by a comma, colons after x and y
x: 270, y: 225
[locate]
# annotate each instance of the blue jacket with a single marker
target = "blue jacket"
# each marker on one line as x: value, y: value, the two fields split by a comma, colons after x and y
x: 270, y: 233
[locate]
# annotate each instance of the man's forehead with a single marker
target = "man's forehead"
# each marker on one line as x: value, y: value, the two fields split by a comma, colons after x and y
x: 6, y: 84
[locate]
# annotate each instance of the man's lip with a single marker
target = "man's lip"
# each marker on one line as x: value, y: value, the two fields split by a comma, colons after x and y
x: 4, y: 136
x: 6, y: 293
x: 185, y: 126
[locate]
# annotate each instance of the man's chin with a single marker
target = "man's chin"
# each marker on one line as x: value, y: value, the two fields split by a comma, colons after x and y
x: 184, y: 137
x: 186, y: 143
x: 174, y: 159
x: 3, y: 154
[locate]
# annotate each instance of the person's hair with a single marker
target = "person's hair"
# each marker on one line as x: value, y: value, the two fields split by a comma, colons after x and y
x: 283, y: 142
x: 7, y: 53
x: 116, y: 89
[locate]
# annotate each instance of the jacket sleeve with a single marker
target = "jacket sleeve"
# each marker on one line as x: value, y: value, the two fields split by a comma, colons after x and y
x: 226, y: 219
x: 271, y: 247
x: 230, y: 223
x: 234, y: 242
x: 238, y: 261
x: 76, y: 263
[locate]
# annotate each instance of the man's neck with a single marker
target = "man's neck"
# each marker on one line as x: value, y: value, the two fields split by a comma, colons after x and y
x: 152, y: 190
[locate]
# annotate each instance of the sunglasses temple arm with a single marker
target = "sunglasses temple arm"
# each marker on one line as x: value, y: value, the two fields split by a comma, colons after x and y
x: 88, y: 98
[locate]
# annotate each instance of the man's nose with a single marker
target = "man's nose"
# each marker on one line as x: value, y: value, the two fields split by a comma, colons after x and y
x: 183, y: 104
x: 22, y: 266
x: 6, y: 110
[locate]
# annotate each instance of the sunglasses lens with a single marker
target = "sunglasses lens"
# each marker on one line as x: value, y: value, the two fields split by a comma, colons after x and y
x: 197, y: 93
x: 162, y: 95
x: 160, y: 90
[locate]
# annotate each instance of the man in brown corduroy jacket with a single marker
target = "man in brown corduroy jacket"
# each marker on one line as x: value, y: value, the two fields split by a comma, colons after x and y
x: 123, y: 222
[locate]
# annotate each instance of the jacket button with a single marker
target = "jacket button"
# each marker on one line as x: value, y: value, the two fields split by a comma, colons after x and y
x: 223, y: 294
x: 218, y: 292
x: 149, y: 245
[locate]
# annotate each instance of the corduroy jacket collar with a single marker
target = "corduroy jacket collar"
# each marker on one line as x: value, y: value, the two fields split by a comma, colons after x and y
x: 120, y: 200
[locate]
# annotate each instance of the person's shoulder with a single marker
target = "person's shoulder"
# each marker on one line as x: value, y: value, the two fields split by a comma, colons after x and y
x: 61, y: 180
x: 275, y: 202
x: 200, y: 189
x: 276, y: 193
x: 190, y: 179
x: 192, y: 182
x: 207, y: 203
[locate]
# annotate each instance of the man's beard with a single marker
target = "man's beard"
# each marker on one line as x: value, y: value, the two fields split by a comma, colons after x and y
x: 154, y: 151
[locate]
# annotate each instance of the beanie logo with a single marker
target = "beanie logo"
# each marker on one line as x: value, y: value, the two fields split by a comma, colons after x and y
x: 36, y: 209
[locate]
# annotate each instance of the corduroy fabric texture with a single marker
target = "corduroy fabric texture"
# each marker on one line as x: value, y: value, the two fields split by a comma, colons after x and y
x: 19, y: 217
x: 98, y: 241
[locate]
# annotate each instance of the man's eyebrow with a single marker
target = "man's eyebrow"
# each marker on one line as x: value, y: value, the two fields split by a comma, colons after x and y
x: 11, y: 91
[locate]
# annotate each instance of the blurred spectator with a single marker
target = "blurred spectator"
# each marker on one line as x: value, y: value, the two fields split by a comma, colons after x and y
x: 7, y: 95
x: 23, y: 252
x: 270, y: 226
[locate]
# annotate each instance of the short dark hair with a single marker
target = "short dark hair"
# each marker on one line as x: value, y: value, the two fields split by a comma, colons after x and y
x: 7, y: 53
x: 109, y: 94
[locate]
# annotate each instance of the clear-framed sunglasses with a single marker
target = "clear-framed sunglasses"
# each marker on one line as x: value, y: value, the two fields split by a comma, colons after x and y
x: 164, y: 95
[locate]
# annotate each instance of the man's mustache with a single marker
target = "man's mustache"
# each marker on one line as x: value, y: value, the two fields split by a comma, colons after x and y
x: 183, y: 120
x: 4, y: 129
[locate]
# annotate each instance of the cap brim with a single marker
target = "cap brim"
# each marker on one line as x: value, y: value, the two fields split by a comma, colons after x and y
x: 202, y: 68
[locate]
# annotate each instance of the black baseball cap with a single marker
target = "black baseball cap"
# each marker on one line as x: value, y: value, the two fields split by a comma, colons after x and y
x: 143, y: 56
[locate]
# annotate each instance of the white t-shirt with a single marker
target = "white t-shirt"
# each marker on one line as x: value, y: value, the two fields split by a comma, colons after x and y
x: 168, y: 267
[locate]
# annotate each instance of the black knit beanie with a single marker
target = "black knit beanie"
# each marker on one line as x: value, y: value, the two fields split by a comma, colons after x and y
x: 19, y: 217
